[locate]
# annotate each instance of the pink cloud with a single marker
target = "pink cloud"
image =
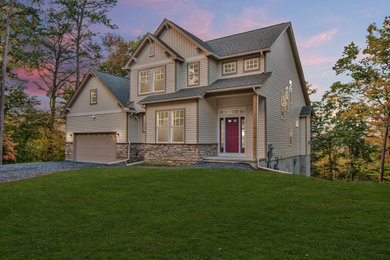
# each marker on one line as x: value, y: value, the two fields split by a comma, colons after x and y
x: 317, y: 60
x: 29, y: 78
x: 320, y: 39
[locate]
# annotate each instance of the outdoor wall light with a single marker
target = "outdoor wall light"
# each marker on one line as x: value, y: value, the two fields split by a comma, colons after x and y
x: 117, y: 134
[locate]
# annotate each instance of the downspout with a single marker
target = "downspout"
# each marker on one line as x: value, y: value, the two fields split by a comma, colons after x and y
x: 128, y: 144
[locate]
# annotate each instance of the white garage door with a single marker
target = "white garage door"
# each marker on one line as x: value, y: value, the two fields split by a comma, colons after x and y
x: 95, y: 148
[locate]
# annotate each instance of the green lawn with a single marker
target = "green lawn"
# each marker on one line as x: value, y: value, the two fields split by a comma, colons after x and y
x: 193, y: 214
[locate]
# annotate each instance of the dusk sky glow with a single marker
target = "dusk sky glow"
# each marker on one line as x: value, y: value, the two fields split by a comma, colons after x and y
x: 322, y: 28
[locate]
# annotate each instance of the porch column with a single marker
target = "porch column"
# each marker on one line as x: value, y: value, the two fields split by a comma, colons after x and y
x: 255, y: 126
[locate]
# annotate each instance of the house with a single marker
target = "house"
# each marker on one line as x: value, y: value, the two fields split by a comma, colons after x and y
x: 239, y: 98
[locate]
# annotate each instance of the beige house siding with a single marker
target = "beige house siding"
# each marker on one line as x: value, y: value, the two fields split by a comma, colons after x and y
x: 190, y: 108
x: 208, y: 121
x: 213, y: 75
x: 102, y: 123
x: 106, y: 101
x: 179, y: 43
x: 280, y: 62
x: 135, y: 130
x: 240, y: 67
x: 246, y: 102
x: 261, y: 129
x: 170, y: 80
x: 182, y: 77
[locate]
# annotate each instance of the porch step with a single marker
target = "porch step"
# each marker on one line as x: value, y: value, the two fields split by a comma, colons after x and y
x: 228, y: 159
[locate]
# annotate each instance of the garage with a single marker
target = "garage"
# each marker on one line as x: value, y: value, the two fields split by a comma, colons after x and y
x: 100, y: 148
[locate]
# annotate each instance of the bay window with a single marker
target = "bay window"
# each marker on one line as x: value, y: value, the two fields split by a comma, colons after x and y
x: 170, y: 126
x: 151, y: 80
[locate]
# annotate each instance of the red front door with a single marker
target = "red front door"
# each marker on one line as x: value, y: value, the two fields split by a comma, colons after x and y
x: 232, y: 134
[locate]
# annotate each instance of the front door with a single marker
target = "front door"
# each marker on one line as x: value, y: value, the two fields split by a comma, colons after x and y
x: 232, y: 134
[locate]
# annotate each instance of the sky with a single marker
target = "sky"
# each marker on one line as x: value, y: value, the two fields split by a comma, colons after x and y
x: 321, y: 28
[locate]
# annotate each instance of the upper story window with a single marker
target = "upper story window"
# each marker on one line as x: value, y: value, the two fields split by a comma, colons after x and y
x: 193, y: 74
x: 290, y: 88
x: 229, y: 68
x: 93, y: 96
x: 151, y: 80
x: 251, y: 64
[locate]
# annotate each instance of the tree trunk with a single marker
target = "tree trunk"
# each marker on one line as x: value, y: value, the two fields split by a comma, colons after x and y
x: 78, y: 42
x: 3, y: 74
x: 383, y: 155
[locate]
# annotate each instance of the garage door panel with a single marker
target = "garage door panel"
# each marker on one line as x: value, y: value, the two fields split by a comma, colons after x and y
x: 95, y: 148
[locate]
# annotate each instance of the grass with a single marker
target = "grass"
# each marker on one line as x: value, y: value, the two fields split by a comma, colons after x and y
x: 139, y: 213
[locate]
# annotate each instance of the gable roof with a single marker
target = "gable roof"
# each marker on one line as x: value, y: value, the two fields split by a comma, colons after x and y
x: 151, y: 37
x: 254, y: 40
x: 220, y: 84
x: 119, y: 86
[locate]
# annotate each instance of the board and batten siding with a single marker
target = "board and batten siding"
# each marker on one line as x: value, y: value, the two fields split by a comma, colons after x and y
x: 99, y: 123
x: 190, y: 108
x: 178, y: 42
x: 106, y: 101
x: 240, y: 101
x: 208, y: 121
x: 280, y: 61
x: 240, y: 67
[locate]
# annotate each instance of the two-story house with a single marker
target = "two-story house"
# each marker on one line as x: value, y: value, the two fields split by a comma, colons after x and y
x: 240, y: 98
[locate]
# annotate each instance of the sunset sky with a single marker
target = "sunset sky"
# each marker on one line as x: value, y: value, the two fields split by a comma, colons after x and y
x: 322, y: 28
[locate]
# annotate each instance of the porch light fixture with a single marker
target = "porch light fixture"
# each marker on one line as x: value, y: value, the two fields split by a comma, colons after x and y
x: 117, y: 134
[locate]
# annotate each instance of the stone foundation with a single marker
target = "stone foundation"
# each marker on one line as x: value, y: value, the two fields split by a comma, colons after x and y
x: 177, y: 154
x: 69, y: 151
x: 121, y: 151
x: 137, y: 152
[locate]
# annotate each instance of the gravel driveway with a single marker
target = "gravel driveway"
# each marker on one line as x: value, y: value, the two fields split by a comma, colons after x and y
x: 11, y: 172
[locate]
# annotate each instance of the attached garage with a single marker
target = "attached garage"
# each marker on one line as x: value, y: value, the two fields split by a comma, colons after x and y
x: 95, y: 147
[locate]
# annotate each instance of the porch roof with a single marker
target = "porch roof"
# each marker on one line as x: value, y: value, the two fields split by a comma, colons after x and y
x: 220, y: 84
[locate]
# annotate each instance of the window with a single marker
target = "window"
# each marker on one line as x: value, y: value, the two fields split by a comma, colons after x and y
x: 229, y: 67
x: 193, y: 74
x: 291, y: 136
x: 290, y: 91
x: 93, y: 96
x: 242, y: 134
x: 170, y: 126
x: 286, y: 97
x: 283, y: 104
x: 152, y: 80
x: 251, y: 64
x: 143, y: 123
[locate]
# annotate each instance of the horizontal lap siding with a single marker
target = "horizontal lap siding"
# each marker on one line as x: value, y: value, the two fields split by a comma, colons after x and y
x: 102, y: 123
x: 242, y: 101
x: 190, y: 119
x: 280, y: 62
x: 106, y: 101
x: 208, y: 121
x: 135, y: 130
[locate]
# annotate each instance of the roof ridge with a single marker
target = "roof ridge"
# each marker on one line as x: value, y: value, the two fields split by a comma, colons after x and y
x: 247, y: 31
x: 111, y: 74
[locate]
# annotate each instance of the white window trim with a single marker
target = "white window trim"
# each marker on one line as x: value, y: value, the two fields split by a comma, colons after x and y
x: 151, y: 83
x: 170, y: 127
x: 188, y: 74
x: 90, y: 96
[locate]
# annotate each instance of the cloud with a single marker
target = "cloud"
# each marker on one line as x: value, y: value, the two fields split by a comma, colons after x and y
x: 320, y: 39
x: 317, y: 60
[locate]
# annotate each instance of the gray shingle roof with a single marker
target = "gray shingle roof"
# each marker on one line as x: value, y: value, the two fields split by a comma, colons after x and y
x: 118, y: 85
x: 247, y: 41
x: 306, y: 110
x: 221, y: 84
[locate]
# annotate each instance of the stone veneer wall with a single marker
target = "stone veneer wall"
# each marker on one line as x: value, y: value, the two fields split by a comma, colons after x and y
x: 69, y: 151
x: 121, y: 151
x: 137, y: 152
x: 177, y: 154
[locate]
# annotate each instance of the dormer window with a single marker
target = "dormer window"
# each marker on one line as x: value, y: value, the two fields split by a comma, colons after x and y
x: 193, y: 74
x: 229, y: 68
x: 151, y: 80
x: 93, y: 96
x: 251, y: 64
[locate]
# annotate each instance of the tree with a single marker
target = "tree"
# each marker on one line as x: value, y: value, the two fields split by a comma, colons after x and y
x: 119, y: 52
x: 370, y: 80
x: 83, y: 14
x: 20, y: 22
x: 55, y: 67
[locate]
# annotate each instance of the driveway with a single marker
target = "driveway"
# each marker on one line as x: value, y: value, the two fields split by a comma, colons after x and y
x: 11, y: 172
